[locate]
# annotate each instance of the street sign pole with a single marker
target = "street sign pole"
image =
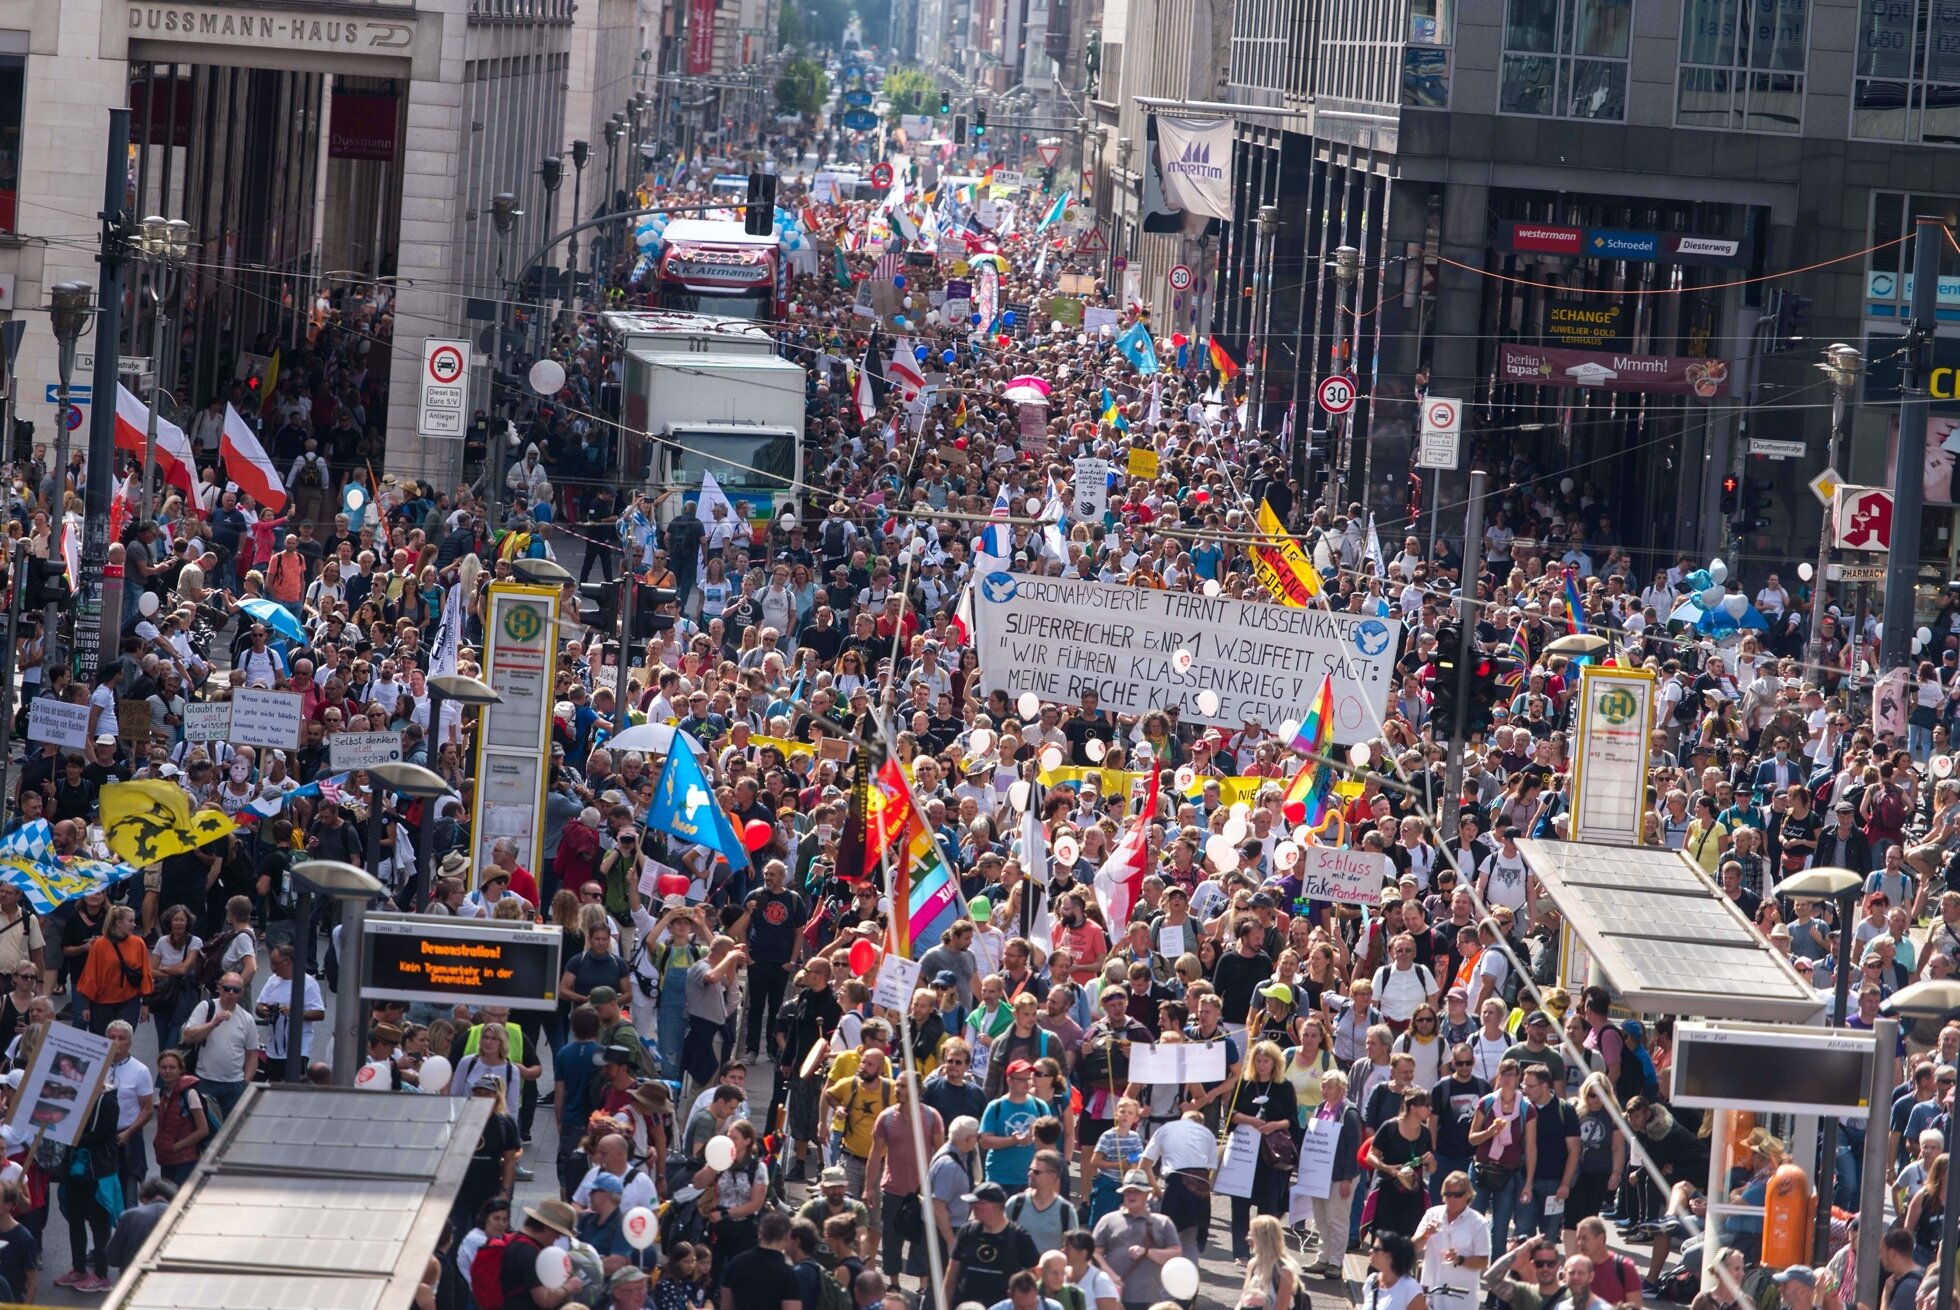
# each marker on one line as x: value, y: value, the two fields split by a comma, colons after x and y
x: 1929, y: 237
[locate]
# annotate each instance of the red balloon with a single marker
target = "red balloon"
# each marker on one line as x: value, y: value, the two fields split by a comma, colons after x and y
x: 756, y: 834
x: 671, y: 884
x: 1295, y: 812
x: 864, y: 958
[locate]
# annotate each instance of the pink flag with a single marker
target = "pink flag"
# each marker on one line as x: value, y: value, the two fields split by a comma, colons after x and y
x: 247, y: 464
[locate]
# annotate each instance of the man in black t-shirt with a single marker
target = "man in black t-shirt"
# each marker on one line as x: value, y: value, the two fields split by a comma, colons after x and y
x: 1556, y: 1126
x: 523, y: 1290
x: 762, y: 1278
x: 772, y: 926
x: 988, y: 1250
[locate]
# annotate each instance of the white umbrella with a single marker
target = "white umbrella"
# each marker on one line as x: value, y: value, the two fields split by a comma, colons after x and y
x: 652, y: 739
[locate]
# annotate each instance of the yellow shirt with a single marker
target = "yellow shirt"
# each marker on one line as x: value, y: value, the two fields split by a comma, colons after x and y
x: 859, y: 1105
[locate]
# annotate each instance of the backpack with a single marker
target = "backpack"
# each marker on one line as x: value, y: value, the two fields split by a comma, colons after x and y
x: 833, y: 538
x: 309, y: 474
x: 487, y: 1270
x: 1638, y: 1077
x: 830, y: 1293
x: 1018, y: 1203
x: 211, y: 965
x: 213, y: 1113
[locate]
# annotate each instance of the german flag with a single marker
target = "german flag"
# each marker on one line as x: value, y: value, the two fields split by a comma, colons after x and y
x: 1222, y: 361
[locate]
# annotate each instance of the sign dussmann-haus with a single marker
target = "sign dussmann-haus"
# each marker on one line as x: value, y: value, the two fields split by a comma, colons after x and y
x: 300, y: 31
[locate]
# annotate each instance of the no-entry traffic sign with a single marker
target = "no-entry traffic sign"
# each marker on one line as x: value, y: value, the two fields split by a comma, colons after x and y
x: 1337, y: 393
x: 1180, y: 277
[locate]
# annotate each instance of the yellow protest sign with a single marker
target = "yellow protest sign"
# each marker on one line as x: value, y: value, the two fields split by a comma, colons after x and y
x: 1281, y: 566
x: 1143, y: 463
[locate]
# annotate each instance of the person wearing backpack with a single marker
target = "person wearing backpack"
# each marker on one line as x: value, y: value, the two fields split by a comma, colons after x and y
x: 817, y: 1287
x: 504, y: 1274
x: 221, y: 1041
x: 185, y: 1119
x: 1042, y: 1209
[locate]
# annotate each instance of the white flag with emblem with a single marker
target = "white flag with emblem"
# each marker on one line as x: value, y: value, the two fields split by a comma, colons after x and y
x: 1194, y: 159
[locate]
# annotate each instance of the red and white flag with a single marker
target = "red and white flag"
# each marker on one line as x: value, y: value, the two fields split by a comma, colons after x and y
x: 173, y: 447
x: 247, y: 464
x: 904, y: 373
x: 861, y: 395
x: 1120, y: 879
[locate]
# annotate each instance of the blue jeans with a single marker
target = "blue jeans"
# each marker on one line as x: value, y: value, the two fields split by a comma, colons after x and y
x: 1534, y: 1219
x: 1919, y: 741
x: 1499, y: 1206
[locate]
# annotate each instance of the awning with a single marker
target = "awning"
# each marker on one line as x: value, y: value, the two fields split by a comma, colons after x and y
x: 322, y: 1197
x: 1668, y: 939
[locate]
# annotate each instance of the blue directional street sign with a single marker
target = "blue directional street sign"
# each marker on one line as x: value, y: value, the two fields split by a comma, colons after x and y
x: 77, y: 394
x: 860, y: 120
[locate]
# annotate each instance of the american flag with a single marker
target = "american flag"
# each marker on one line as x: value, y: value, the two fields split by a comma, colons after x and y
x: 890, y: 264
x: 331, y: 791
x: 997, y: 538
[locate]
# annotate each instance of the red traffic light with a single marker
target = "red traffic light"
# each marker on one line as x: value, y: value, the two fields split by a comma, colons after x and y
x: 1730, y: 484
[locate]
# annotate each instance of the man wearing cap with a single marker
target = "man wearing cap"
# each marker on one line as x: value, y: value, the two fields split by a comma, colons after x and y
x: 629, y: 1288
x: 616, y: 1030
x: 833, y: 1199
x: 1007, y: 1128
x: 1135, y: 1243
x: 988, y: 1250
x: 602, y: 1226
x: 1537, y: 1048
x: 543, y: 1226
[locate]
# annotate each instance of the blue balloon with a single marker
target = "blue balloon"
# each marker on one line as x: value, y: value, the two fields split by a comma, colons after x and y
x: 898, y: 320
x: 976, y: 320
x: 948, y: 358
x: 898, y: 280
x: 920, y: 353
x: 1007, y: 317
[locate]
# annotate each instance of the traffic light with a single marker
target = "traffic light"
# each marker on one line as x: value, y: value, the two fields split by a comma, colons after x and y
x: 1756, y: 500
x: 47, y: 584
x: 1731, y: 495
x: 759, y: 214
x: 959, y: 129
x: 1792, y: 322
x: 945, y: 102
x: 1442, y: 682
x: 979, y: 122
x: 1485, y: 691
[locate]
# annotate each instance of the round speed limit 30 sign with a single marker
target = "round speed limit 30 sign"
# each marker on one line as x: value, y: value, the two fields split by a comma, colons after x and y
x: 1180, y: 277
x: 446, y: 365
x: 1337, y: 393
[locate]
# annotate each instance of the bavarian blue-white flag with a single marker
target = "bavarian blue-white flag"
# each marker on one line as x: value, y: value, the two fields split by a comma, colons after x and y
x: 685, y: 806
x: 1136, y: 346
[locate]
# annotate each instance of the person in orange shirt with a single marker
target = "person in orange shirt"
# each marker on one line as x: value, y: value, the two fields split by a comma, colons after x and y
x: 116, y: 978
x: 1081, y: 935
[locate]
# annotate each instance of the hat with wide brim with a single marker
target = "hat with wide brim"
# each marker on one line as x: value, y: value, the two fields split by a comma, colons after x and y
x: 556, y: 1215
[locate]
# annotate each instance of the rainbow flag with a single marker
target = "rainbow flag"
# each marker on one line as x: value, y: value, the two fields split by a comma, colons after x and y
x: 922, y: 881
x: 1221, y: 361
x: 1312, y: 788
x: 1519, y: 655
x: 1575, y: 618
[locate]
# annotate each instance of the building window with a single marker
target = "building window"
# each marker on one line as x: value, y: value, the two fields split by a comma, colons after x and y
x: 1742, y: 65
x: 1426, y: 59
x: 1567, y: 58
x: 13, y: 92
x: 1907, y: 85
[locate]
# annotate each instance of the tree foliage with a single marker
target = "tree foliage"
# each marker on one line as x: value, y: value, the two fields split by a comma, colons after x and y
x: 804, y: 88
x: 911, y: 91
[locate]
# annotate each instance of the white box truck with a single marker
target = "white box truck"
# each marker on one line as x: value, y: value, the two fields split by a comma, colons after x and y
x: 738, y: 416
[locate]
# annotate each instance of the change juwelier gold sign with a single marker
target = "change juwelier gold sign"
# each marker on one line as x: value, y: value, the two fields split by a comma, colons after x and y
x: 466, y: 961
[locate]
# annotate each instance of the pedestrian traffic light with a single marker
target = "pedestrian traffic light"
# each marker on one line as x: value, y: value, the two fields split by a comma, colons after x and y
x: 1756, y: 501
x: 759, y: 214
x: 1485, y: 692
x: 47, y: 584
x: 1792, y: 322
x: 945, y: 102
x: 959, y: 129
x: 979, y: 122
x: 1731, y: 489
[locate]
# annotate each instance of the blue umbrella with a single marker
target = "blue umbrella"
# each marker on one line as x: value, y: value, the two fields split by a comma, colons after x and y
x: 274, y: 616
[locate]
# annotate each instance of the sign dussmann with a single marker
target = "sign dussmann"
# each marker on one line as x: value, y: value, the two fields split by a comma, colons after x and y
x: 253, y: 27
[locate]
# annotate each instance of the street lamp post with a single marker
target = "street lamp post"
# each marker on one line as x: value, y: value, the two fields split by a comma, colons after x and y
x: 581, y: 155
x: 1841, y: 886
x: 1843, y: 365
x: 1936, y: 999
x: 504, y: 214
x: 442, y: 688
x: 68, y: 315
x: 1268, y: 224
x: 1347, y: 267
x: 341, y: 883
x: 416, y: 783
x: 164, y: 243
x: 551, y: 171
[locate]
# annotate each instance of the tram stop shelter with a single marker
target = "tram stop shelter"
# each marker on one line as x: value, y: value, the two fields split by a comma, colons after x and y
x: 1664, y: 936
x: 310, y: 1196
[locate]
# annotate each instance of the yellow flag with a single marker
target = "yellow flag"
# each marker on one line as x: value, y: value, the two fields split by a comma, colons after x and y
x: 148, y: 821
x: 1280, y: 563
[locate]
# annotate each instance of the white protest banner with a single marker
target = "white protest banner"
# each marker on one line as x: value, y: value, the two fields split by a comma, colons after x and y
x: 1194, y: 161
x: 363, y: 750
x: 898, y: 978
x: 1318, y: 1145
x: 61, y: 1085
x: 1178, y: 1062
x: 1345, y: 877
x: 1094, y: 319
x: 1091, y: 487
x: 1170, y: 940
x: 57, y: 721
x: 207, y: 721
x: 1058, y: 639
x: 266, y: 718
x: 1234, y: 1176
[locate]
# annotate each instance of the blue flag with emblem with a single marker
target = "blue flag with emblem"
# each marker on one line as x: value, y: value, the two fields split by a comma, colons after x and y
x: 684, y: 806
x: 1136, y: 346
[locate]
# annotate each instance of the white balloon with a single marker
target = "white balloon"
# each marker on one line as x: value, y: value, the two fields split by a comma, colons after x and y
x: 904, y: 559
x: 1185, y: 777
x: 1240, y: 810
x: 1286, y: 854
x: 1925, y: 635
x: 1223, y: 855
x: 1051, y: 758
x: 372, y: 1077
x: 1067, y: 850
x: 641, y: 1227
x: 1358, y: 754
x: 1942, y: 765
x: 146, y: 604
x: 1566, y: 485
x: 884, y: 905
x: 1095, y: 750
x: 1207, y: 702
x: 1029, y: 704
x: 1302, y: 834
x: 1915, y: 645
x: 1234, y: 830
x: 1018, y: 792
x: 1181, y: 661
x: 719, y: 1153
x: 1806, y: 572
x: 1712, y: 596
x: 980, y: 741
x: 1736, y: 604
x: 1034, y: 506
x: 1211, y: 586
x: 1286, y: 729
x: 435, y: 1074
x: 1718, y: 571
x: 555, y: 1265
x: 1180, y: 1278
x: 547, y: 377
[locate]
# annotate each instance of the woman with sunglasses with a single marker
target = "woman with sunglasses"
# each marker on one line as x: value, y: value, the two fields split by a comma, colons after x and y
x: 13, y: 1010
x: 1398, y: 1154
x: 1264, y: 1103
x: 1602, y: 1156
x: 1424, y: 1043
x: 1390, y: 1284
